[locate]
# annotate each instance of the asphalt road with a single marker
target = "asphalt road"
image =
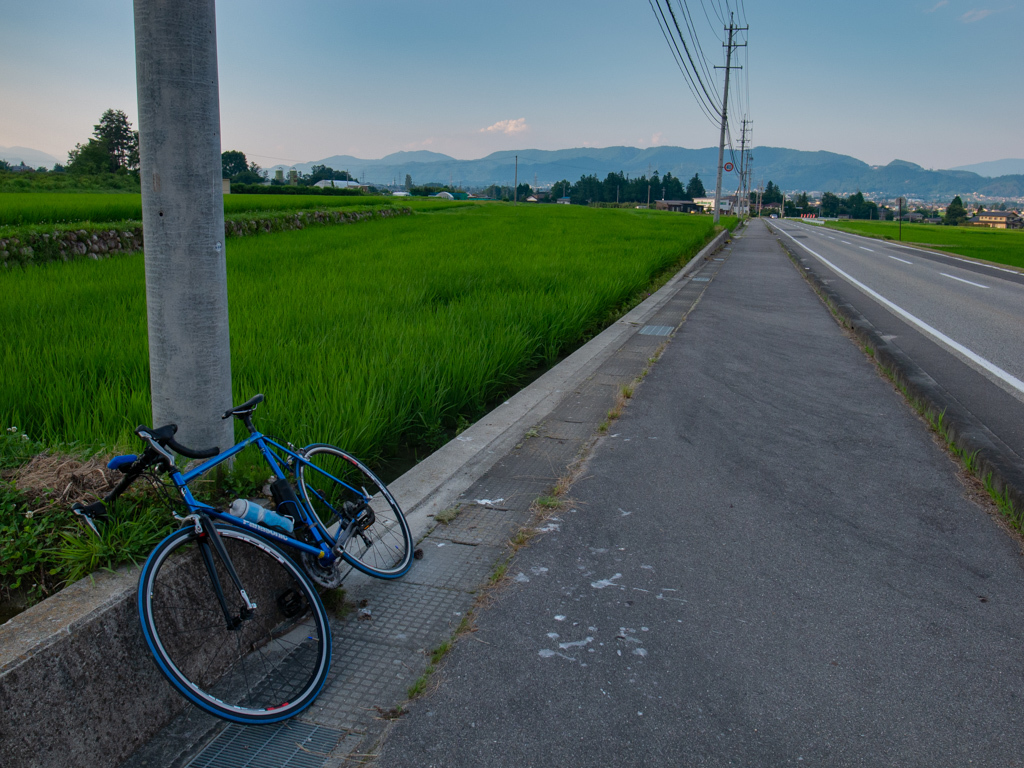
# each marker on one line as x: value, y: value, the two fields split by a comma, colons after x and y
x: 959, y: 320
x: 767, y: 562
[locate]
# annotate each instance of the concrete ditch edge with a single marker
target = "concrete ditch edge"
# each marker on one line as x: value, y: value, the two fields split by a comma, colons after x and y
x: 995, y: 460
x: 77, y: 684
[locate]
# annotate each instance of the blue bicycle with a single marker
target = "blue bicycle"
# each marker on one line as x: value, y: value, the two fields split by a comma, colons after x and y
x: 233, y: 620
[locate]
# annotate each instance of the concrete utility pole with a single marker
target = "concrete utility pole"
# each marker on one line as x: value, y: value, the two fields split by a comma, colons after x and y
x: 725, y: 112
x: 183, y: 218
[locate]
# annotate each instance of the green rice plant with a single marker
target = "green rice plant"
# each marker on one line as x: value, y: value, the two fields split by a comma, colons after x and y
x: 25, y: 208
x: 372, y: 337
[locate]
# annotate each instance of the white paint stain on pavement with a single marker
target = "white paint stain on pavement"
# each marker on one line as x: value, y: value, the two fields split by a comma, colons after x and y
x: 606, y: 582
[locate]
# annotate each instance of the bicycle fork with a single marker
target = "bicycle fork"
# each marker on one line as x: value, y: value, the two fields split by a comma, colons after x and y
x: 209, y: 539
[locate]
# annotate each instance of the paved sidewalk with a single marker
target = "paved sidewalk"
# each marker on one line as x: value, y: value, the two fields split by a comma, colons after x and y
x: 383, y: 645
x: 767, y: 561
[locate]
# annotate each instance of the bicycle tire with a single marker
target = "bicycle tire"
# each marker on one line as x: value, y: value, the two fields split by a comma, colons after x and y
x: 268, y: 669
x: 383, y: 546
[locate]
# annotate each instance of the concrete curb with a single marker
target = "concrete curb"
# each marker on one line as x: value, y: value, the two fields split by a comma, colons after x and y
x: 77, y: 683
x: 995, y: 461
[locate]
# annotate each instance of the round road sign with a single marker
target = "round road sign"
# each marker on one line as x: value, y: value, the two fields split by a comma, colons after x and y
x: 728, y: 167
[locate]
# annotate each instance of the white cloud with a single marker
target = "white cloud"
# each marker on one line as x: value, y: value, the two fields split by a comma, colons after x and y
x: 938, y: 5
x: 975, y: 15
x: 507, y: 126
x: 657, y: 140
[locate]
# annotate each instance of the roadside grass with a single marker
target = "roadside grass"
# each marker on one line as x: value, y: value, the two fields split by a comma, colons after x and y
x: 999, y: 246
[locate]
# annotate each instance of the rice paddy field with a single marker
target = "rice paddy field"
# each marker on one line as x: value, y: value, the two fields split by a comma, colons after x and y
x: 30, y: 208
x: 374, y: 337
x: 1000, y: 246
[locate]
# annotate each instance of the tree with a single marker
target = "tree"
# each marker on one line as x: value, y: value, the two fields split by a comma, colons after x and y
x: 91, y: 159
x: 234, y: 166
x: 673, y: 187
x: 523, y: 191
x: 695, y: 187
x: 233, y: 163
x: 830, y: 205
x: 408, y: 182
x: 326, y: 173
x: 122, y: 142
x: 955, y: 213
x: 4, y: 165
x: 561, y: 189
x: 772, y: 194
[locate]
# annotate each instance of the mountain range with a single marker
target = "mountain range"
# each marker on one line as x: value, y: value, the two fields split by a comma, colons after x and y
x: 28, y: 156
x: 792, y: 170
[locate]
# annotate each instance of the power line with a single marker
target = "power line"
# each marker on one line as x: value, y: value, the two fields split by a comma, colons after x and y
x: 707, y: 108
x: 695, y: 72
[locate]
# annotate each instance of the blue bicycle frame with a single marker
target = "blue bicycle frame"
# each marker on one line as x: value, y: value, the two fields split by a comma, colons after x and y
x: 323, y: 538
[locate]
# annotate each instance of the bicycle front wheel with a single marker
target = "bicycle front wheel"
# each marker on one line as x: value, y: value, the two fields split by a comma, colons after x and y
x: 269, y: 666
x: 341, y: 490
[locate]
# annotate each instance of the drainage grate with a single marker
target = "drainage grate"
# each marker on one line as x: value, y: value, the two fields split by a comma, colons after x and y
x: 702, y: 279
x: 285, y: 745
x: 656, y: 330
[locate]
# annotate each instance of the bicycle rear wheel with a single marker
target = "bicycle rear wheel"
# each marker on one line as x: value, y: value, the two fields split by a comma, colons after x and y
x: 341, y: 490
x: 268, y: 668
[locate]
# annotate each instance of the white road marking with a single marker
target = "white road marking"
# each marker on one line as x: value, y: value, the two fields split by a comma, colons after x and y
x: 954, y: 277
x: 846, y: 241
x: 936, y: 334
x: 897, y: 258
x: 975, y: 262
x: 865, y: 249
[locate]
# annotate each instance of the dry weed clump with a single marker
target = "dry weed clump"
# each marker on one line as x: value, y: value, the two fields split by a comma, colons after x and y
x: 52, y: 480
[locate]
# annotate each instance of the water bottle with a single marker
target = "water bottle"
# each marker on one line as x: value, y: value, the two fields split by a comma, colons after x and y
x: 254, y: 513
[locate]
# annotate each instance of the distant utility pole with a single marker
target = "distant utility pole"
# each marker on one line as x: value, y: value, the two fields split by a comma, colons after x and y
x: 183, y: 218
x: 515, y: 184
x: 725, y: 110
x: 741, y: 190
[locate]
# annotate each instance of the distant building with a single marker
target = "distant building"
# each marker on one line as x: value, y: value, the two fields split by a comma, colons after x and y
x: 400, y: 194
x: 444, y: 195
x: 997, y: 220
x: 708, y: 204
x: 563, y: 201
x: 338, y: 184
x: 679, y: 206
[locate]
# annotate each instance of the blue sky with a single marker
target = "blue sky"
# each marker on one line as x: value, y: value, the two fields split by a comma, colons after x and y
x: 929, y: 81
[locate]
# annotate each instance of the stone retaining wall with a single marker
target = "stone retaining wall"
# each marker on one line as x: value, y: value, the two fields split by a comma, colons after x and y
x: 66, y: 245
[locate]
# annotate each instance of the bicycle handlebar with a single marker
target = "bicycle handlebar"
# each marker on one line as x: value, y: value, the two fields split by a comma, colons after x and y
x: 164, y: 438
